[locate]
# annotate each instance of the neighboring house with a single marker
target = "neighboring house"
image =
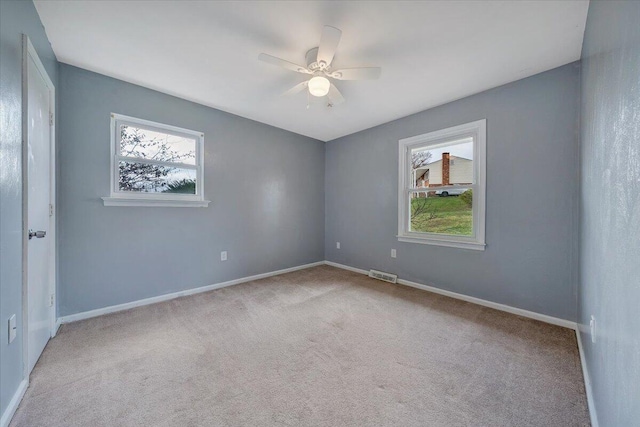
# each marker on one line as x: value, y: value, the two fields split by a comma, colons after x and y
x: 449, y: 170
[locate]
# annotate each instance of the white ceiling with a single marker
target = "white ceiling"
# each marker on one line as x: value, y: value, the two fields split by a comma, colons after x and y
x: 430, y: 52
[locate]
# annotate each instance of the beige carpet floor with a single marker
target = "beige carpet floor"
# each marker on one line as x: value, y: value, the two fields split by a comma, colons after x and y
x: 318, y: 347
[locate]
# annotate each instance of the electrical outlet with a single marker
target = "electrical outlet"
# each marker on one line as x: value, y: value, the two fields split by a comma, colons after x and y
x: 13, y: 329
x: 592, y: 325
x: 223, y: 256
x: 393, y: 253
x: 337, y: 245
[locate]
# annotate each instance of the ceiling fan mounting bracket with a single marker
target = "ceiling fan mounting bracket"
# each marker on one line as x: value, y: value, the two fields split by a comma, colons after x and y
x: 313, y: 64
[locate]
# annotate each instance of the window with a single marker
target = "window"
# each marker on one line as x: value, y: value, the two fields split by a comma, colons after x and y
x: 155, y: 165
x: 451, y: 212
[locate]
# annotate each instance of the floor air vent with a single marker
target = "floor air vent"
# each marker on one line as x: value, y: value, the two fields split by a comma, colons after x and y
x: 381, y: 275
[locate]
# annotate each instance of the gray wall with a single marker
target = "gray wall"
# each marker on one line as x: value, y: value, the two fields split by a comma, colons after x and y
x: 16, y: 18
x: 532, y: 180
x: 267, y: 210
x: 266, y: 186
x: 610, y: 209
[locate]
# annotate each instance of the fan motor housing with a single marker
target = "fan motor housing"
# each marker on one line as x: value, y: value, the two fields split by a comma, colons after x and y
x: 312, y: 59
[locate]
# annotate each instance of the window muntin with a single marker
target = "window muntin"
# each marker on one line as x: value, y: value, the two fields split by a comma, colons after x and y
x: 156, y: 162
x: 441, y: 187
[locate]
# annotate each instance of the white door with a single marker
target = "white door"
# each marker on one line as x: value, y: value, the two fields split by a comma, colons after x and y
x: 38, y: 214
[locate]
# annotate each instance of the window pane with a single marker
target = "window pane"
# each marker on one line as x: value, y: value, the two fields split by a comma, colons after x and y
x: 151, y: 178
x: 161, y: 146
x: 442, y: 164
x: 442, y: 212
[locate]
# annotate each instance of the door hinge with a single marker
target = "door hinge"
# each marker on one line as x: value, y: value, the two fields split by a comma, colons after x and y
x: 51, y: 299
x: 50, y: 210
x: 50, y: 119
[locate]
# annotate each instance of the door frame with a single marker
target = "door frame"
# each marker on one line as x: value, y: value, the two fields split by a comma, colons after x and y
x: 29, y: 52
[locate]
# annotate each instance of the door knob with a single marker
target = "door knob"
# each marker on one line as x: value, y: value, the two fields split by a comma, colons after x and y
x: 38, y: 234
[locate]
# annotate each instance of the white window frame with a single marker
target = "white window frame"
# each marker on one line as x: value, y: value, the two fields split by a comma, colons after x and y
x: 478, y: 130
x: 129, y: 198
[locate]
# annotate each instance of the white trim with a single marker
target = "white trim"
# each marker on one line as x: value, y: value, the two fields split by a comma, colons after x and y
x: 56, y: 327
x: 38, y: 63
x: 167, y: 297
x: 157, y: 126
x: 25, y: 205
x: 175, y: 203
x: 30, y: 53
x: 14, y: 403
x: 497, y: 306
x: 587, y: 381
x: 120, y: 198
x: 476, y: 130
x: 347, y: 267
x: 120, y: 158
x: 443, y: 242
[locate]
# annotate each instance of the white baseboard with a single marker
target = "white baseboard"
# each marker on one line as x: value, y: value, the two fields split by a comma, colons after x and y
x: 167, y: 297
x: 153, y: 300
x: 14, y: 403
x: 497, y: 306
x: 587, y: 382
x: 346, y: 267
x: 56, y: 327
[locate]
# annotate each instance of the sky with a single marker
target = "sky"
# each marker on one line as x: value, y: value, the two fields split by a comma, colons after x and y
x: 464, y: 149
x: 180, y: 145
x: 149, y: 149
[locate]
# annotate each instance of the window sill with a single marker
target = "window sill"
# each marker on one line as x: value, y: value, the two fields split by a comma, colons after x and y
x: 125, y: 201
x: 448, y: 243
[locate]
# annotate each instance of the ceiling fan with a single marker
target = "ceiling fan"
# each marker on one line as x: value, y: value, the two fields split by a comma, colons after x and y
x: 318, y: 66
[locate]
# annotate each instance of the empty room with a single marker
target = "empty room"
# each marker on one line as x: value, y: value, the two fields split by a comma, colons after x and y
x: 319, y: 213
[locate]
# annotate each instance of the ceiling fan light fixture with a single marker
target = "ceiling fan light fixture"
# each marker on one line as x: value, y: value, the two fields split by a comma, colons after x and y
x: 319, y: 86
x: 319, y: 60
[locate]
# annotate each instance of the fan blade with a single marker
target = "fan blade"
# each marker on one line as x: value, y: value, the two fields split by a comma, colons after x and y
x: 282, y: 63
x: 296, y: 89
x: 334, y: 95
x: 328, y: 44
x: 367, y: 73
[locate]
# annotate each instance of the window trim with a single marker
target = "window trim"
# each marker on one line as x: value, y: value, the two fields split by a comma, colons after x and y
x: 125, y: 198
x: 477, y: 129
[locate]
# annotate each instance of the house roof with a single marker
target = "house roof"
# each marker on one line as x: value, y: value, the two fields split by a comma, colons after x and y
x: 450, y: 157
x: 425, y: 167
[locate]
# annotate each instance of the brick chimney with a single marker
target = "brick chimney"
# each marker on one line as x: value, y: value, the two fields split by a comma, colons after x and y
x: 445, y: 168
